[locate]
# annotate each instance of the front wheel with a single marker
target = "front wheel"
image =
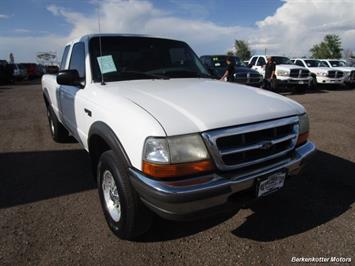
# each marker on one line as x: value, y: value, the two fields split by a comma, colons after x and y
x: 125, y: 214
x: 314, y: 83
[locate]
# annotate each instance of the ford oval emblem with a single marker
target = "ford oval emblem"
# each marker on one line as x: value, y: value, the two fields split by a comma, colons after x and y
x: 266, y: 145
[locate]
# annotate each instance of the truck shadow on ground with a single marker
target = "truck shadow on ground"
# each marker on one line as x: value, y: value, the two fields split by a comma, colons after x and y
x: 27, y: 177
x: 324, y: 192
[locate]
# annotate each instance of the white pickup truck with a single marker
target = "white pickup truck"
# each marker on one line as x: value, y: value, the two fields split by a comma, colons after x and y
x: 321, y: 73
x: 349, y: 72
x: 287, y: 74
x: 165, y: 137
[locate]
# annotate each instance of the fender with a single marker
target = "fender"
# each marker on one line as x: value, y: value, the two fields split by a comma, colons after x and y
x: 106, y: 133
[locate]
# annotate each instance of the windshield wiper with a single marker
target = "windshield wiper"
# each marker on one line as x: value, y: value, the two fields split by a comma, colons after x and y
x: 190, y: 72
x: 157, y: 76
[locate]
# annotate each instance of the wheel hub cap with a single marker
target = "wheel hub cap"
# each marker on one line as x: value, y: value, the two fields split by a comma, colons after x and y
x: 111, y: 196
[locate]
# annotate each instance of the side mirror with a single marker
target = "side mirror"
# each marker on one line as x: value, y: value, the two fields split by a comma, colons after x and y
x: 69, y: 77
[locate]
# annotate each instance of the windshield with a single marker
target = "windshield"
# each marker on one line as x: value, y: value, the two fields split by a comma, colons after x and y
x: 314, y: 63
x: 219, y: 61
x: 281, y: 60
x: 129, y: 58
x: 337, y: 63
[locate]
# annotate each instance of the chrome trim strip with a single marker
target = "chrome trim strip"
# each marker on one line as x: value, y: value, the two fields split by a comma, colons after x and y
x: 256, y: 146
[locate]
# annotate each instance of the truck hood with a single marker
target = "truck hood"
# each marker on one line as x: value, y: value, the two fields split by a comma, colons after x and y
x: 345, y: 69
x: 190, y: 105
x: 288, y: 67
x: 242, y: 69
x: 319, y: 69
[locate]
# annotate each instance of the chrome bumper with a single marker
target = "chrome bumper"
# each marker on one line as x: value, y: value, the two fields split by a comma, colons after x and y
x: 177, y: 201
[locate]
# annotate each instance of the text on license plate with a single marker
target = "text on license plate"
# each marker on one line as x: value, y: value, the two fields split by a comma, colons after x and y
x: 271, y: 183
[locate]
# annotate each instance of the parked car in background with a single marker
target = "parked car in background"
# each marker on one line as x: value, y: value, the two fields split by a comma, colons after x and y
x: 349, y: 62
x: 321, y: 73
x: 51, y: 69
x: 5, y: 72
x: 33, y: 71
x: 287, y: 74
x: 216, y: 65
x: 19, y: 72
x: 349, y: 72
x: 163, y: 136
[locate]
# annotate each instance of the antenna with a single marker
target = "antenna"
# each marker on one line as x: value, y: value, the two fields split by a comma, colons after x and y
x: 100, y: 45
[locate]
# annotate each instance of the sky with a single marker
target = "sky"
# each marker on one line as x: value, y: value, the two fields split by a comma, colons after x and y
x: 287, y: 27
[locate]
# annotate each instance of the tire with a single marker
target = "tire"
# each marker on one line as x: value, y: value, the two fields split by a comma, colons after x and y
x: 301, y: 89
x: 124, y: 212
x: 58, y: 131
x: 274, y: 84
x: 314, y: 83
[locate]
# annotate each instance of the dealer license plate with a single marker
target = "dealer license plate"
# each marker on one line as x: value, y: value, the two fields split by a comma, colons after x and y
x: 301, y: 82
x: 271, y: 184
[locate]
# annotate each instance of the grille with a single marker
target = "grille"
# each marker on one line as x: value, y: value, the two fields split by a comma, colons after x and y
x: 252, y: 145
x: 248, y: 77
x: 335, y: 74
x: 299, y: 73
x: 331, y: 73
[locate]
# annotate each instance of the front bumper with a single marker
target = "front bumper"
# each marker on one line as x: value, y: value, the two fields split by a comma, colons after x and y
x: 257, y: 82
x: 285, y: 81
x: 327, y: 80
x: 178, y: 201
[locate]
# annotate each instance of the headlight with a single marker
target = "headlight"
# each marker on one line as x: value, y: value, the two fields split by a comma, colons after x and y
x: 303, y: 129
x: 322, y: 74
x: 175, y: 156
x: 282, y: 73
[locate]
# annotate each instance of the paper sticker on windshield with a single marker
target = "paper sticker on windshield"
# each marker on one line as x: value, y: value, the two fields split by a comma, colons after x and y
x: 106, y: 64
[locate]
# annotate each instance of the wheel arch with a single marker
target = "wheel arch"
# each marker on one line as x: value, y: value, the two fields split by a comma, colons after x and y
x: 46, y: 97
x: 102, y: 138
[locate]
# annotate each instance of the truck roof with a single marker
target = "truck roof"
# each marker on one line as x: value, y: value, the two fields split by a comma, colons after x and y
x: 89, y: 36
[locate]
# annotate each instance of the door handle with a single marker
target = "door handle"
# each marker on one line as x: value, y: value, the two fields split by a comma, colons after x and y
x: 88, y: 112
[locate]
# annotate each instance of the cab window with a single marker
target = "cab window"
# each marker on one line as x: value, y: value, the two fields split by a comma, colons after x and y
x: 299, y: 63
x: 253, y: 60
x: 261, y: 61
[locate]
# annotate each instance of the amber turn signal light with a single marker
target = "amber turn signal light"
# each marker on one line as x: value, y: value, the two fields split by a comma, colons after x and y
x: 302, y: 138
x: 162, y: 171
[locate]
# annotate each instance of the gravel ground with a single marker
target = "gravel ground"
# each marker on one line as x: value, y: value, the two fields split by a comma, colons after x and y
x: 50, y: 212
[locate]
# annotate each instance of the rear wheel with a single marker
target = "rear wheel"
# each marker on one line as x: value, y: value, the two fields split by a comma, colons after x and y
x: 125, y: 214
x: 58, y: 131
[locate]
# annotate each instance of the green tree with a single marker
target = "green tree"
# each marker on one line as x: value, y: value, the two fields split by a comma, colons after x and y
x: 242, y: 50
x: 330, y: 47
x: 230, y: 53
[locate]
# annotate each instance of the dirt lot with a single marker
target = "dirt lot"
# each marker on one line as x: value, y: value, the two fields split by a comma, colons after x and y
x: 50, y: 212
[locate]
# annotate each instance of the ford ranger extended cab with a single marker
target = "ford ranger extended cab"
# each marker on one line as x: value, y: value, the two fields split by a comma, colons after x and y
x: 163, y: 136
x: 287, y: 74
x: 321, y: 73
x: 349, y: 72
